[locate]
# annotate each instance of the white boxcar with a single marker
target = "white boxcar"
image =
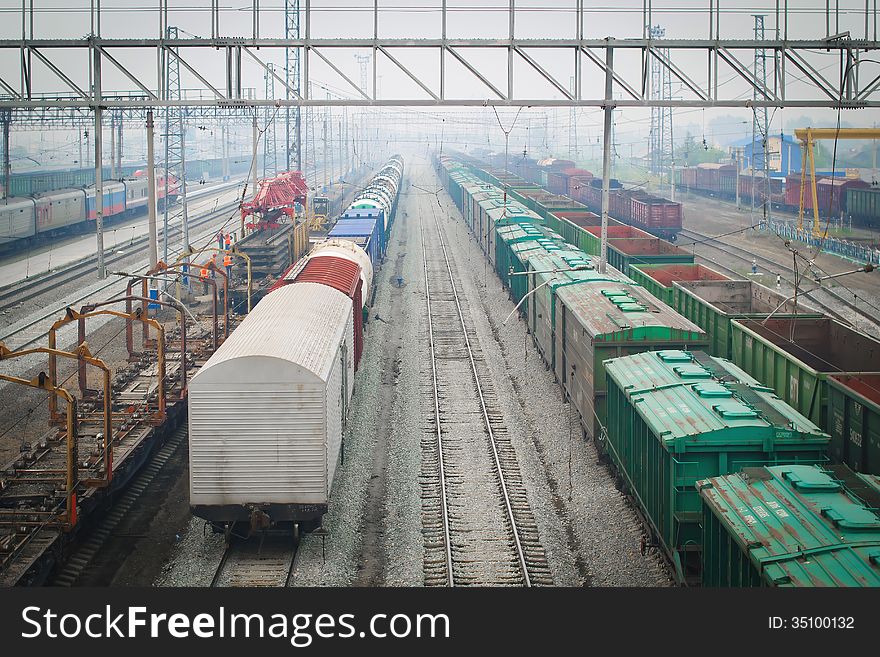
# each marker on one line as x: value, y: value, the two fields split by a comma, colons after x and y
x: 16, y: 219
x: 267, y: 411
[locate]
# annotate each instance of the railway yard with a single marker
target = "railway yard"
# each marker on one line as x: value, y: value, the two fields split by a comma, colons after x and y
x: 434, y: 296
x: 466, y: 455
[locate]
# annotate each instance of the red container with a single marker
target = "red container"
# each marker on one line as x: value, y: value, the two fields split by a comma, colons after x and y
x: 666, y: 274
x: 793, y: 191
x: 619, y: 231
x: 557, y: 182
x: 582, y: 218
x: 345, y: 276
x: 831, y: 193
x: 716, y: 178
x: 689, y: 178
x: 655, y: 213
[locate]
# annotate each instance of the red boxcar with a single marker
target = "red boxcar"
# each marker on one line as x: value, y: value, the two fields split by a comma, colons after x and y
x: 793, y: 192
x: 345, y: 276
x: 831, y: 193
x: 716, y: 179
x: 688, y: 178
x: 658, y: 216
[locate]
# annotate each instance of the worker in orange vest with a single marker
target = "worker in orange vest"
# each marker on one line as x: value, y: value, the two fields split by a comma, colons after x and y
x: 204, y: 275
x: 228, y: 241
x: 227, y: 262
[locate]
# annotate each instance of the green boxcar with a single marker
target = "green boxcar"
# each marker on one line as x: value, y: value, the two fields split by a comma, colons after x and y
x: 675, y: 417
x: 854, y: 420
x: 570, y: 223
x: 712, y: 305
x: 644, y: 251
x: 658, y: 279
x: 581, y: 318
x: 514, y: 245
x: 790, y: 526
x: 550, y: 205
x: 794, y: 356
x: 863, y: 205
x: 592, y: 236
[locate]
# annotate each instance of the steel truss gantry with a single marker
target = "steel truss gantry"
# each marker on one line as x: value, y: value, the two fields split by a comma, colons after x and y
x: 696, y: 64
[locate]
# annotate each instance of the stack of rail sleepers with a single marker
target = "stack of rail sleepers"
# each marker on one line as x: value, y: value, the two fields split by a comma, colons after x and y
x: 790, y: 526
x: 675, y: 417
x: 713, y: 304
x: 795, y: 355
x: 658, y: 279
x: 273, y: 250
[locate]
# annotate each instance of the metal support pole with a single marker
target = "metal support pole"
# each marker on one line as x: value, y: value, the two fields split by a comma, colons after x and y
x: 151, y: 195
x: 256, y: 139
x: 119, y: 146
x: 736, y: 151
x: 184, y: 217
x: 99, y: 169
x: 112, y: 146
x: 5, y: 117
x: 606, y: 155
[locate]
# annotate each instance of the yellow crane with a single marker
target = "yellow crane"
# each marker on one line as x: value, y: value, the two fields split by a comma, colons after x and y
x: 807, y: 136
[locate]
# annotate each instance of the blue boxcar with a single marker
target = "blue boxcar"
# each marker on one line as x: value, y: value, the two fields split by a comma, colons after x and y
x: 368, y: 227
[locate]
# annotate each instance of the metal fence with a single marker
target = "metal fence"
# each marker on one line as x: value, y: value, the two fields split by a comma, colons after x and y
x: 844, y: 248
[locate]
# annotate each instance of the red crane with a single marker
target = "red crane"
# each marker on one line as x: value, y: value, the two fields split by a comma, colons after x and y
x: 274, y: 197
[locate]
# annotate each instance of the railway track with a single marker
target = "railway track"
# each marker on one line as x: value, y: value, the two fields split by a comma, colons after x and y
x: 478, y: 525
x: 25, y: 333
x: 34, y: 286
x: 825, y: 298
x: 265, y: 561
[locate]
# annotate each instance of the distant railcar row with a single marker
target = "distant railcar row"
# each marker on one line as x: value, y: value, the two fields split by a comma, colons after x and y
x: 268, y: 411
x: 658, y: 216
x: 835, y: 196
x: 682, y: 381
x: 24, y: 219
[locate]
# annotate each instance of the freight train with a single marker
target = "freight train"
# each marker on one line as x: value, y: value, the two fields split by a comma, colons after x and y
x: 836, y: 197
x: 26, y: 219
x: 268, y: 411
x: 658, y: 216
x: 680, y: 378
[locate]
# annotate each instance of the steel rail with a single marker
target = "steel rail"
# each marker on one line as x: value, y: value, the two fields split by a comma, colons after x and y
x: 520, y: 553
x: 736, y: 252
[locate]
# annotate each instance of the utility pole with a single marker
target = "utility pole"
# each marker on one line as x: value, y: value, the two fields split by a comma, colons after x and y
x: 572, y: 128
x: 112, y: 146
x: 270, y: 144
x: 224, y: 149
x: 324, y: 141
x: 80, y: 161
x: 119, y: 145
x: 5, y: 118
x: 175, y: 146
x: 99, y: 169
x: 606, y: 155
x: 292, y: 114
x: 151, y: 195
x: 760, y: 123
x: 736, y: 152
x: 256, y: 144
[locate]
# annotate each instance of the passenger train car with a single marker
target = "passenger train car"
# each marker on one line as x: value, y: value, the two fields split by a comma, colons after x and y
x: 268, y: 411
x: 49, y: 213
